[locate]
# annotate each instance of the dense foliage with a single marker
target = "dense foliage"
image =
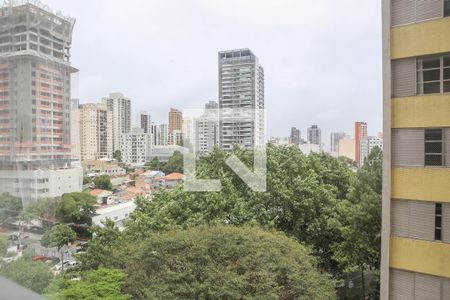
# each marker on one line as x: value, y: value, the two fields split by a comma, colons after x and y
x: 101, y: 284
x: 228, y: 244
x: 10, y: 206
x: 60, y: 235
x: 30, y: 274
x: 103, y: 182
x: 302, y: 199
x: 71, y: 207
x: 174, y: 164
x: 74, y: 207
x: 108, y: 240
x: 117, y: 155
x: 361, y: 219
x: 4, y: 243
x: 220, y: 262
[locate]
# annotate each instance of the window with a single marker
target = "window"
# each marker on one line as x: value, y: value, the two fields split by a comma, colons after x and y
x: 438, y: 222
x: 446, y: 8
x: 433, y: 75
x: 433, y: 147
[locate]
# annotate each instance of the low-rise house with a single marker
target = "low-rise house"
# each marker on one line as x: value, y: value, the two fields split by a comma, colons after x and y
x: 103, y: 166
x: 149, y: 179
x: 171, y: 180
x: 103, y: 196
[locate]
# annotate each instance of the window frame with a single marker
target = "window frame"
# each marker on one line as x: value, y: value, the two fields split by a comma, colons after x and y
x: 443, y: 82
x: 428, y: 154
x: 446, y: 9
x: 438, y: 224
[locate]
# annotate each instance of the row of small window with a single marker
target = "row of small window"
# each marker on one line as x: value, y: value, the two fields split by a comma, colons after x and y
x: 434, y: 147
x: 422, y: 75
x: 421, y: 147
x: 433, y: 75
x: 420, y: 220
x: 415, y: 11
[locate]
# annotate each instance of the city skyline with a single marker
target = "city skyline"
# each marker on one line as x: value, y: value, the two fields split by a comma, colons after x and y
x: 294, y: 94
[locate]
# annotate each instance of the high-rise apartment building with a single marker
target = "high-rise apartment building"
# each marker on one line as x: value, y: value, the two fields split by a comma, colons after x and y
x: 335, y: 137
x: 212, y: 105
x: 96, y: 132
x: 175, y: 138
x: 160, y: 135
x: 121, y: 116
x: 366, y: 145
x: 35, y: 102
x: 145, y: 121
x: 241, y: 99
x: 314, y: 135
x: 135, y: 147
x: 175, y: 120
x: 295, y: 137
x: 75, y: 132
x: 415, y: 261
x: 206, y: 129
x: 360, y: 133
x: 347, y: 147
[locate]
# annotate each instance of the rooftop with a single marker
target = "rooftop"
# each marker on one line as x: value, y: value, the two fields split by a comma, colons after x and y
x: 173, y: 176
x: 40, y: 5
x: 96, y: 192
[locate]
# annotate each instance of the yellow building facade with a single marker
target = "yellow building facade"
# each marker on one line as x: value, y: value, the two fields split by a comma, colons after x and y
x: 416, y: 180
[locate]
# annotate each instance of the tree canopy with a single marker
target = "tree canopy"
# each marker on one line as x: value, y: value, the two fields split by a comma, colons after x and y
x: 76, y: 206
x: 174, y: 164
x: 315, y: 200
x: 303, y: 193
x: 222, y: 262
x: 34, y: 275
x: 4, y: 243
x: 117, y: 155
x: 58, y: 236
x: 107, y: 240
x: 10, y: 206
x: 103, y: 182
x: 101, y: 284
x: 361, y: 219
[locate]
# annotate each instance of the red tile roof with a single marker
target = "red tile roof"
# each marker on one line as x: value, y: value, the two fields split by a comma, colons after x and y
x: 96, y: 192
x: 173, y: 176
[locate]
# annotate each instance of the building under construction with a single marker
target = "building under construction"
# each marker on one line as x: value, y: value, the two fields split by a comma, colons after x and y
x: 35, y: 102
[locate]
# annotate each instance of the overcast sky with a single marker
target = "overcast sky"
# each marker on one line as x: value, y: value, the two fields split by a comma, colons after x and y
x: 322, y: 58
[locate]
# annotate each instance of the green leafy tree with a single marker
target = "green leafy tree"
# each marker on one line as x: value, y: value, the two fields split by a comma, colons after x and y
x: 101, y: 284
x: 103, y: 182
x: 4, y: 243
x: 105, y: 242
x: 75, y: 207
x: 361, y: 214
x: 44, y: 210
x: 154, y: 164
x: 302, y: 199
x: 30, y: 274
x: 58, y: 236
x: 174, y: 164
x: 86, y: 180
x: 117, y: 155
x: 224, y: 262
x: 10, y: 206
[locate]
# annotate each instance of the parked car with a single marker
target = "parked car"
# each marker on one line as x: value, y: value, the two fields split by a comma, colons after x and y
x: 67, y: 265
